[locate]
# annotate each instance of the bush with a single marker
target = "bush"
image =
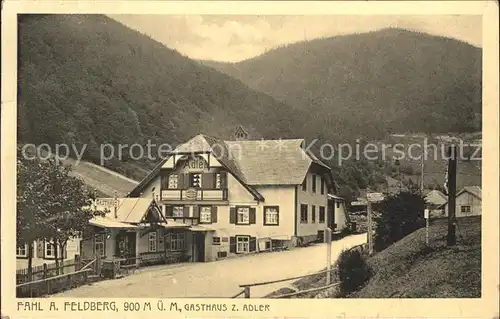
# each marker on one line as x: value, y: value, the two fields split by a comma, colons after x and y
x: 353, y: 271
x: 400, y: 215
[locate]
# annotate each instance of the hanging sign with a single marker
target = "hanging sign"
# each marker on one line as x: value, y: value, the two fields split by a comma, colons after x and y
x: 106, y: 202
x: 426, y: 213
x: 375, y: 197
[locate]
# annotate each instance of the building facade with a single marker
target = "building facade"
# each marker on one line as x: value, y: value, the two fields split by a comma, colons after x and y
x: 238, y: 197
x: 44, y: 253
x: 467, y: 202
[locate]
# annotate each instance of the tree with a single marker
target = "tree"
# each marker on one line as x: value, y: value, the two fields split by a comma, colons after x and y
x: 401, y: 214
x: 31, y: 204
x: 70, y: 207
x: 52, y: 205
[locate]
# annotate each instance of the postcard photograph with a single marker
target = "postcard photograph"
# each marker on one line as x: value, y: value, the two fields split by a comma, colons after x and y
x: 237, y: 156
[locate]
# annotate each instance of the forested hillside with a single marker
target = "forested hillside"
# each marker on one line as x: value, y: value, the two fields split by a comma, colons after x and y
x: 371, y: 84
x: 87, y: 79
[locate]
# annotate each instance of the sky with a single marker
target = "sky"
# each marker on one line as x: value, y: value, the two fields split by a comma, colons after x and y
x: 234, y: 38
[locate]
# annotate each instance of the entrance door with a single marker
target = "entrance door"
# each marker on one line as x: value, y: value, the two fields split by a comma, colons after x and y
x: 126, y: 246
x: 200, y: 246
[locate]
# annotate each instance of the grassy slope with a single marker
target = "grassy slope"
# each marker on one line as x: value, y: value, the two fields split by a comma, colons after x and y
x: 407, y: 269
x: 106, y: 182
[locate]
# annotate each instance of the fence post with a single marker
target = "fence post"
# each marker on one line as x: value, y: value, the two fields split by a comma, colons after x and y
x: 45, y: 271
x: 78, y: 263
x: 247, y: 292
x: 328, y: 239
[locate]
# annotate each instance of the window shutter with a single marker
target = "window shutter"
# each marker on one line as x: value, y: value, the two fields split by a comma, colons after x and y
x: 232, y: 245
x: 181, y: 181
x: 232, y: 215
x: 186, y: 211
x: 196, y: 211
x: 208, y: 180
x: 253, y: 244
x: 214, y: 214
x: 164, y: 181
x: 252, y: 217
x: 169, y: 211
x: 40, y: 251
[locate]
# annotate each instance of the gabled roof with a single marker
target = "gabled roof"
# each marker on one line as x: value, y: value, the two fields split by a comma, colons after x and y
x: 129, y: 210
x: 435, y: 197
x: 473, y: 190
x: 252, y: 162
x: 271, y: 162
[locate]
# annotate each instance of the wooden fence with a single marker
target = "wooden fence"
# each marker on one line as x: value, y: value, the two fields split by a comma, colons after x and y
x: 53, y: 284
x: 246, y: 287
x: 48, y: 270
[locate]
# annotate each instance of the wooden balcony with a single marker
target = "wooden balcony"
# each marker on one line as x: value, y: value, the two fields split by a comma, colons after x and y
x: 194, y: 194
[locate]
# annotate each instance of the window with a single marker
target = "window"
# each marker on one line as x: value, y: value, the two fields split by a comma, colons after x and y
x: 304, y: 184
x: 22, y: 250
x: 99, y: 245
x: 173, y: 181
x: 271, y: 215
x: 465, y: 209
x: 338, y: 204
x: 313, y: 212
x: 178, y: 211
x: 152, y: 242
x: 49, y: 250
x: 242, y: 244
x: 216, y: 241
x: 221, y: 254
x: 206, y: 214
x: 314, y: 183
x: 321, y: 214
x: 195, y: 180
x: 322, y: 186
x: 175, y: 241
x: 303, y: 213
x: 243, y: 215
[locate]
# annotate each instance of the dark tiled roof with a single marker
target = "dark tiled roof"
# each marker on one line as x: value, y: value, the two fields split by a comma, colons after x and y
x: 252, y: 162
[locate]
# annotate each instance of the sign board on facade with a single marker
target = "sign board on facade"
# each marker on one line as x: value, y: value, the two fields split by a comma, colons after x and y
x: 195, y: 164
x: 191, y: 194
x: 106, y: 202
x: 375, y: 197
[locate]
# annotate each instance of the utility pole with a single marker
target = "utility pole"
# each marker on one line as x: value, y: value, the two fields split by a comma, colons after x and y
x: 452, y: 191
x: 422, y: 172
x: 369, y: 226
x: 426, y: 216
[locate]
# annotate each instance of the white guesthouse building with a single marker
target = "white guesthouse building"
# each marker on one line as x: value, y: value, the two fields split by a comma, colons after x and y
x: 236, y: 197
